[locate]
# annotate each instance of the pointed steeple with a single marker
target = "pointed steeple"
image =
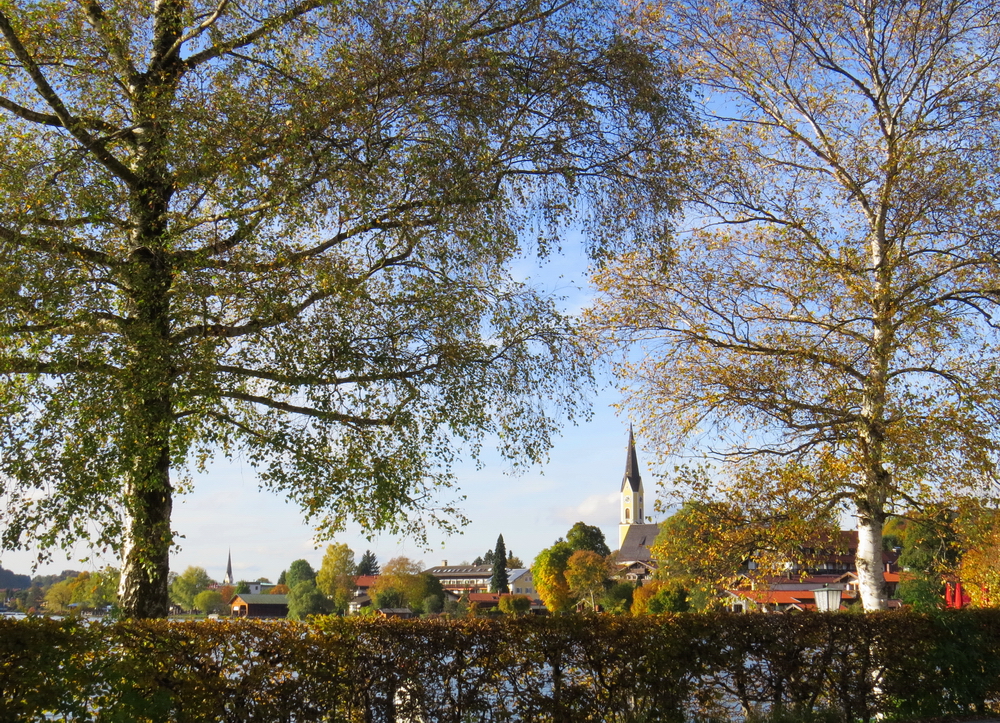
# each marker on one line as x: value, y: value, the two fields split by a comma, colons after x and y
x: 229, y: 570
x: 632, y: 478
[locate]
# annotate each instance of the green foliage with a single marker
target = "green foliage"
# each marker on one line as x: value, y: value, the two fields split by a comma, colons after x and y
x: 514, y: 604
x: 669, y: 599
x: 305, y: 599
x: 587, y: 537
x: 499, y: 582
x: 930, y: 549
x: 286, y: 230
x: 617, y: 597
x: 299, y: 571
x: 388, y: 598
x: 432, y: 604
x: 188, y: 584
x: 549, y: 568
x: 59, y: 597
x: 425, y: 587
x: 778, y: 668
x: 922, y: 592
x: 402, y: 584
x: 209, y: 602
x: 242, y: 587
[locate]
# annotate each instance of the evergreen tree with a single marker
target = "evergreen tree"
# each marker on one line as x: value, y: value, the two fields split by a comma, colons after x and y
x: 368, y: 564
x: 499, y: 581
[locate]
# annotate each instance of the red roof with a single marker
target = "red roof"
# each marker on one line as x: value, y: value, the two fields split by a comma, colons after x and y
x: 484, y: 597
x: 365, y: 580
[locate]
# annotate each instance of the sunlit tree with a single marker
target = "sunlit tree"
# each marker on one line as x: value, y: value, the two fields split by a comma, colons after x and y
x: 335, y: 578
x: 282, y: 229
x: 831, y: 316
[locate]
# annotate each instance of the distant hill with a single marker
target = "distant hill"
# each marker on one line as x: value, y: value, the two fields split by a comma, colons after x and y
x: 10, y: 579
x: 50, y: 580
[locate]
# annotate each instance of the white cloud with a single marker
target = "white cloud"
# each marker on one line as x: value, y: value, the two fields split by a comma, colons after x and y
x: 597, y: 510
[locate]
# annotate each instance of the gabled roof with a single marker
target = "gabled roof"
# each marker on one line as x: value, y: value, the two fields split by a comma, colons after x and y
x: 635, y: 546
x: 261, y: 599
x: 632, y: 478
x: 365, y: 580
x: 480, y: 597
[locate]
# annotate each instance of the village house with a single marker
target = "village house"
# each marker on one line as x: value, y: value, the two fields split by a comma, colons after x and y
x: 463, y: 578
x: 259, y: 606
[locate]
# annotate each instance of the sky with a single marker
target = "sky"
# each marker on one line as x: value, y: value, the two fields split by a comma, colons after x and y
x: 226, y: 511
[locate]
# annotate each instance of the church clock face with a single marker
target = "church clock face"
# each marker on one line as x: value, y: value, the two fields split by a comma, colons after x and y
x: 627, y: 499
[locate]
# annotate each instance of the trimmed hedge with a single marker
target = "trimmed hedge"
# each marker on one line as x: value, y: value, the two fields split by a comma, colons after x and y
x: 606, y: 669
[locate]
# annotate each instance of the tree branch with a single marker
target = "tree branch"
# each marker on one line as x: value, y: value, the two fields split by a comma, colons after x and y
x: 63, y: 249
x: 312, y: 412
x: 74, y: 125
x: 266, y: 27
x: 19, y: 365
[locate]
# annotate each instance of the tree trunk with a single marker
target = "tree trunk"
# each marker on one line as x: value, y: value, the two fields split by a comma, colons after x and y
x: 871, y: 581
x: 142, y: 592
x: 148, y: 418
x: 149, y: 373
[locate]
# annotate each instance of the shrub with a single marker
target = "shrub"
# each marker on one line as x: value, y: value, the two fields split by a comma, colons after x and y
x: 806, y: 667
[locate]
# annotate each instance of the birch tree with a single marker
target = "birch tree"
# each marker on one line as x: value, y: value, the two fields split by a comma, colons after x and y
x: 831, y: 315
x: 282, y: 230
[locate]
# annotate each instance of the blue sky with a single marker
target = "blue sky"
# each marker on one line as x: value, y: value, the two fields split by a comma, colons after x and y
x: 226, y: 509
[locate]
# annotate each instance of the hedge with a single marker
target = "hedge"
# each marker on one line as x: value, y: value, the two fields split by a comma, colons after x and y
x: 574, y: 669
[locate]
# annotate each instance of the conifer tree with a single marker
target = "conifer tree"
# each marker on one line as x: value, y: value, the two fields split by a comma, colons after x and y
x: 499, y: 582
x: 368, y: 564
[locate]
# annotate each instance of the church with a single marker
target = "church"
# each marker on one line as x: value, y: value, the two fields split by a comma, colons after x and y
x: 635, y: 535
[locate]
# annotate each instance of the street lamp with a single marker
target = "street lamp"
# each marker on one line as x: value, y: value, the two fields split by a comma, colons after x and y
x: 828, y: 598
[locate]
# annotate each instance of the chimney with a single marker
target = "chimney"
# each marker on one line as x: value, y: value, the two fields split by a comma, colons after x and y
x: 444, y: 563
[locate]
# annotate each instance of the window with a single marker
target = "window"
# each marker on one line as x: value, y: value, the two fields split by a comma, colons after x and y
x: 626, y: 513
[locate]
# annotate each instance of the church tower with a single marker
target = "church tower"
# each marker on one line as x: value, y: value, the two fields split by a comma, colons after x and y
x: 631, y: 492
x: 228, y: 579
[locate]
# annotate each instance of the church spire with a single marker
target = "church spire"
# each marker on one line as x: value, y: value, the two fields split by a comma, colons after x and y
x: 632, y: 479
x: 631, y: 492
x: 229, y: 570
